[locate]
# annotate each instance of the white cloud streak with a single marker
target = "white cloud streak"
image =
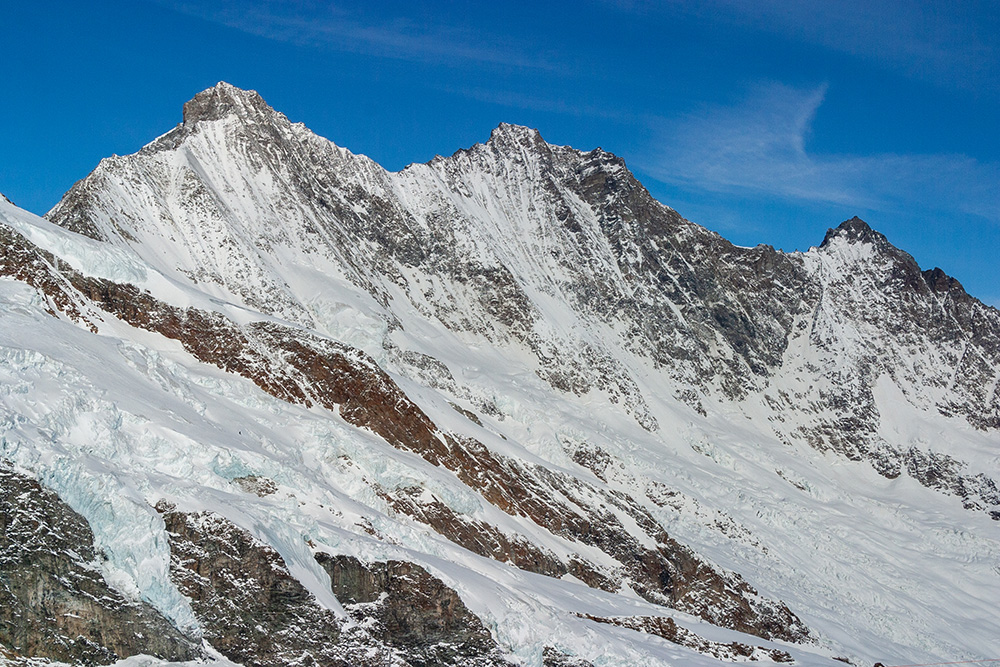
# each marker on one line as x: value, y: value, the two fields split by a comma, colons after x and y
x: 326, y: 25
x: 952, y: 44
x: 761, y: 146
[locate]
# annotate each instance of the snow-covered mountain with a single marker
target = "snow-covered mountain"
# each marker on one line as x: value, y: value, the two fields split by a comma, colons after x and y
x: 267, y: 402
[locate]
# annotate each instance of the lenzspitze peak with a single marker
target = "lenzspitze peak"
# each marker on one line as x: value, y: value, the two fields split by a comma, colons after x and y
x: 224, y: 99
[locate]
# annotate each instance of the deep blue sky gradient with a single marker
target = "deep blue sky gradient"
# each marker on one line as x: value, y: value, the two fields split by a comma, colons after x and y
x: 768, y: 121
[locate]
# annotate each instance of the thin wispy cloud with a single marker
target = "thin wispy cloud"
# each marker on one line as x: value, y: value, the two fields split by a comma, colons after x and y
x: 762, y: 146
x: 955, y: 45
x: 330, y: 26
x: 952, y: 44
x: 515, y: 99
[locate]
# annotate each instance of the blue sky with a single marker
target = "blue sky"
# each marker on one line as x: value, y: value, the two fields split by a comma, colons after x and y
x: 766, y: 121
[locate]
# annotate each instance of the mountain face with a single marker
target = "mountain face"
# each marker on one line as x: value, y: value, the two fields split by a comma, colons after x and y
x: 502, y: 408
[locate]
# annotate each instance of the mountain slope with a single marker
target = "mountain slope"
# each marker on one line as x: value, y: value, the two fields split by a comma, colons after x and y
x: 509, y: 365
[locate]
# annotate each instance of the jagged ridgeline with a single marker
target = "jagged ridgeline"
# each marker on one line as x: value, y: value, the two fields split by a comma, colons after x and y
x: 268, y: 401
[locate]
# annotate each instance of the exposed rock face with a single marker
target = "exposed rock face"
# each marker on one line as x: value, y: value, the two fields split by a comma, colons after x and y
x: 252, y: 610
x: 480, y: 537
x: 877, y: 315
x: 24, y: 261
x: 255, y: 613
x: 411, y: 610
x: 54, y: 602
x: 667, y: 628
x: 223, y: 100
x: 261, y: 486
x: 553, y: 658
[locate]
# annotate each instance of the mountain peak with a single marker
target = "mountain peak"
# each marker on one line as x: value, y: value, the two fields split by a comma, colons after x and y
x: 224, y: 99
x: 510, y: 129
x: 854, y: 230
x: 941, y: 283
x: 506, y: 134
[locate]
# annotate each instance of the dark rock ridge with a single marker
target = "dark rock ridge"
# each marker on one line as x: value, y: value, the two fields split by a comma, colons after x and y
x: 222, y: 100
x: 24, y: 261
x: 857, y: 230
x: 255, y: 613
x: 410, y: 609
x: 54, y: 602
x: 251, y: 609
x: 666, y: 628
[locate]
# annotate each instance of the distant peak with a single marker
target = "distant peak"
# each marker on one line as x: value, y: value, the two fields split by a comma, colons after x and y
x: 506, y: 133
x: 854, y: 230
x: 941, y: 283
x: 224, y: 99
x: 4, y: 197
x: 510, y: 129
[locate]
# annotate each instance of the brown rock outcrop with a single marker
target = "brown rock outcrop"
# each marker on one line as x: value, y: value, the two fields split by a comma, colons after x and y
x: 54, y: 602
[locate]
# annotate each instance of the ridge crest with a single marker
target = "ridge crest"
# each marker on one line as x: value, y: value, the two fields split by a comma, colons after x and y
x: 854, y: 230
x: 224, y: 99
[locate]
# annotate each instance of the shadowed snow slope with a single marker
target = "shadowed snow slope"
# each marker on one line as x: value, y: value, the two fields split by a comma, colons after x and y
x: 507, y: 383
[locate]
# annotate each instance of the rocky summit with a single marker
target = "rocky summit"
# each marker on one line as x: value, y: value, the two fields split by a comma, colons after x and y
x: 265, y: 402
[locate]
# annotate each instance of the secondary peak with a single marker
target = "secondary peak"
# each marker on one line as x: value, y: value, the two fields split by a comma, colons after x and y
x: 854, y: 230
x: 221, y: 100
x: 505, y: 132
